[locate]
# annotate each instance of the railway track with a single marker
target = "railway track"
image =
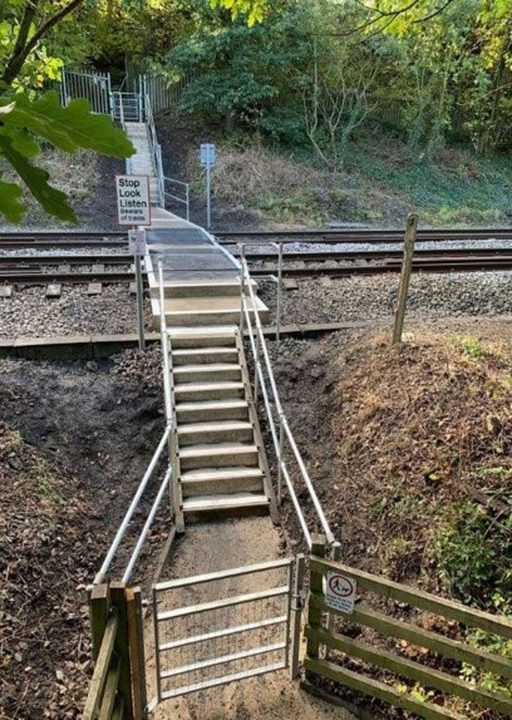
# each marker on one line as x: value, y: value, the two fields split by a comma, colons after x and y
x: 31, y: 273
x: 103, y: 264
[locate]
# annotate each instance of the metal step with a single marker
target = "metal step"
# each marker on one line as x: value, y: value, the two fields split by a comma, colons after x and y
x: 185, y: 337
x: 217, y: 456
x: 199, y: 288
x: 212, y: 410
x: 210, y: 373
x: 225, y: 481
x: 221, y: 316
x: 215, y: 432
x: 204, y: 355
x: 224, y: 502
x: 209, y: 391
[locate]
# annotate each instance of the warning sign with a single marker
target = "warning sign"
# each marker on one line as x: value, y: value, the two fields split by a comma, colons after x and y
x: 340, y: 592
x: 137, y: 242
x: 133, y: 200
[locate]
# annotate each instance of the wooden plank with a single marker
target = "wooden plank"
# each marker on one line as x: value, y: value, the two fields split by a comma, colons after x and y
x: 101, y: 670
x: 378, y: 690
x: 364, y: 615
x: 136, y: 640
x: 110, y: 692
x: 122, y: 646
x: 419, y: 598
x: 411, y: 669
x: 99, y: 605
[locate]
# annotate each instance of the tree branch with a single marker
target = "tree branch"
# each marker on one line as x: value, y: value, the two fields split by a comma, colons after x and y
x: 25, y: 46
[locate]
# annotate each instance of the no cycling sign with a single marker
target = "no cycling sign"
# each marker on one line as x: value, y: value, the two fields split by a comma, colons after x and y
x: 340, y: 592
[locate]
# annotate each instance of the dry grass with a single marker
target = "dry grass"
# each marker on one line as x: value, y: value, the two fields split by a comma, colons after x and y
x: 419, y: 427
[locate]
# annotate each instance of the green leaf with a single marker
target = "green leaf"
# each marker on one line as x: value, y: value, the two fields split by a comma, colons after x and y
x: 69, y: 128
x: 10, y: 205
x: 52, y: 200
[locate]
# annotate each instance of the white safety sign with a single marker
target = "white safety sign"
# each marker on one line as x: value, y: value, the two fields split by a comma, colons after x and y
x: 133, y: 200
x: 339, y: 592
x: 137, y: 242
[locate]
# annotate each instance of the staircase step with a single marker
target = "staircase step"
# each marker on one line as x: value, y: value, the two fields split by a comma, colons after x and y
x: 207, y: 287
x: 201, y: 355
x: 213, y: 410
x: 224, y: 481
x: 185, y: 337
x: 217, y: 310
x: 224, y: 502
x: 215, y: 432
x: 207, y: 373
x: 209, y: 391
x: 219, y: 455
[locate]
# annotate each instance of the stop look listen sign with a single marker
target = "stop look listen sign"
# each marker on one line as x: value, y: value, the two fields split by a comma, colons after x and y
x: 133, y: 200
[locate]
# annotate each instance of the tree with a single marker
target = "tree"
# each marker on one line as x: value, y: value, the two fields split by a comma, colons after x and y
x: 26, y: 121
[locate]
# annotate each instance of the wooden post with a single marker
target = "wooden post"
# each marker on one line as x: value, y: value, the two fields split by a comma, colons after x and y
x: 316, y: 586
x: 298, y: 584
x: 405, y: 276
x: 335, y: 555
x: 99, y: 606
x: 122, y: 648
x: 137, y: 661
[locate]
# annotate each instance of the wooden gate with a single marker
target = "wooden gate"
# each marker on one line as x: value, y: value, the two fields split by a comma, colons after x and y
x: 353, y: 656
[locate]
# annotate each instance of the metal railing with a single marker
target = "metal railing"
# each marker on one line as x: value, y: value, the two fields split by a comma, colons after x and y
x: 155, y: 150
x: 123, y: 527
x: 183, y: 200
x: 282, y: 435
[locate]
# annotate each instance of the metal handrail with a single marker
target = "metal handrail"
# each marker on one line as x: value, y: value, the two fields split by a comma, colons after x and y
x: 166, y: 350
x: 186, y: 200
x: 154, y: 148
x: 121, y: 532
x: 256, y: 336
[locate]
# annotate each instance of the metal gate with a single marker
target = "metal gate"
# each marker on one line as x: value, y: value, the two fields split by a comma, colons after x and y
x: 235, y: 624
x: 96, y: 87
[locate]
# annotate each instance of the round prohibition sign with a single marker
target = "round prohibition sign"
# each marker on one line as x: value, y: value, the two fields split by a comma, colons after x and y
x: 341, y: 586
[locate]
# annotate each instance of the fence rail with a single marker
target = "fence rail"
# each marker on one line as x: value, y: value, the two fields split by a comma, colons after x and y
x: 401, y: 630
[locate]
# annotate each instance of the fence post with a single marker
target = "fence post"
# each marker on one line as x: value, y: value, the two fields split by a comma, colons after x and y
x: 316, y: 585
x: 298, y: 584
x: 122, y: 648
x: 405, y: 276
x: 99, y: 606
x: 136, y: 643
x: 335, y: 555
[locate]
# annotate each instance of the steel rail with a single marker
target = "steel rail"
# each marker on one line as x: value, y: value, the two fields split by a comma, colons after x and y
x: 147, y: 525
x: 277, y: 401
x: 100, y: 575
x: 70, y: 259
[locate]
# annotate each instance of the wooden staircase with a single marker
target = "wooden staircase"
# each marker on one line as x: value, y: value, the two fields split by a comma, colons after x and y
x: 218, y: 452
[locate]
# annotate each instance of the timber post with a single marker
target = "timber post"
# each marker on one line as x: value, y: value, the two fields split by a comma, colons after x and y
x: 316, y: 586
x: 405, y: 276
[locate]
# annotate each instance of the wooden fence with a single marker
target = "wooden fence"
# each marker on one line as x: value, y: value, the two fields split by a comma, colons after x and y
x: 118, y: 687
x: 328, y: 651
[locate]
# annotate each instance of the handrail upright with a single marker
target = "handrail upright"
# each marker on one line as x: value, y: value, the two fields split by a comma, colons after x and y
x: 165, y: 347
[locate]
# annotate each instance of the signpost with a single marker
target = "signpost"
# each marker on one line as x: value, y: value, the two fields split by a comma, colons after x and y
x: 134, y: 208
x: 207, y: 158
x: 340, y: 592
x: 137, y: 247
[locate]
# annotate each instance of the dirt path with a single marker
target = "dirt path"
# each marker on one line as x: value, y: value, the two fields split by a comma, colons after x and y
x: 220, y: 545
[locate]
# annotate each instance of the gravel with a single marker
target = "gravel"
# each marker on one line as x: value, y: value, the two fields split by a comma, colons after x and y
x: 31, y: 313
x: 30, y: 252
x: 367, y: 298
x: 490, y: 245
